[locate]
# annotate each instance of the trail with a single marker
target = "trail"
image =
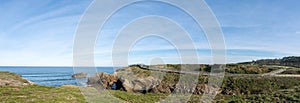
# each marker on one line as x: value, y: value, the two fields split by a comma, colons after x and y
x: 274, y: 73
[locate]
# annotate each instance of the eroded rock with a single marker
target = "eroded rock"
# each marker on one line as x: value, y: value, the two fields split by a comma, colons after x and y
x: 79, y: 75
x: 128, y: 81
x: 103, y: 79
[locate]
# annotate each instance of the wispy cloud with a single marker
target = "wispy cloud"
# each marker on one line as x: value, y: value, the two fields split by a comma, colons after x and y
x: 42, y: 36
x: 41, y: 32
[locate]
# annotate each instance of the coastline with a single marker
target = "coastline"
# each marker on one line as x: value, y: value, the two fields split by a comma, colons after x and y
x: 28, y: 81
x: 18, y: 80
x: 50, y: 76
x: 16, y: 89
x: 266, y: 86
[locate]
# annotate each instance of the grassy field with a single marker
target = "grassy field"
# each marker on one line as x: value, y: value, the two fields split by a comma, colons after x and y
x: 284, y: 95
x: 40, y: 94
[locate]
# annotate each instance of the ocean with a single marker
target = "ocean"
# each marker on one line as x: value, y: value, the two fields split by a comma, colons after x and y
x: 52, y: 76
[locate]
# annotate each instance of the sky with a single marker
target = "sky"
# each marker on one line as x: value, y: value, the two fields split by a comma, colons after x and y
x: 41, y: 32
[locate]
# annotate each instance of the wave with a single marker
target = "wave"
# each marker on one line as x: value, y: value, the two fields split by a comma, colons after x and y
x: 46, y: 80
x: 50, y: 75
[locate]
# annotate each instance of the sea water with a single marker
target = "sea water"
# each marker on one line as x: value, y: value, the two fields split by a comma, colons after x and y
x: 52, y: 76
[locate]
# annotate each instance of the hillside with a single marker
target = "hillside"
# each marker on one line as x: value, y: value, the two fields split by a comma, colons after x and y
x: 260, y: 86
x: 11, y: 79
x: 286, y: 61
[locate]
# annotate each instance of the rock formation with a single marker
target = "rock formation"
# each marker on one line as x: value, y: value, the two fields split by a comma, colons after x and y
x: 11, y: 79
x: 79, y: 75
x: 127, y: 80
x: 103, y: 79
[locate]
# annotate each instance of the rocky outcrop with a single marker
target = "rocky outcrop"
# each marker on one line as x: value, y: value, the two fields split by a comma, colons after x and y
x: 103, y: 79
x: 79, y: 75
x: 164, y: 87
x: 141, y: 85
x: 11, y: 79
x: 127, y: 80
x: 12, y: 82
x: 28, y: 82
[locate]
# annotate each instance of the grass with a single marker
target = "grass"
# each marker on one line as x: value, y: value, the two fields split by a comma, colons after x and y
x: 40, y: 94
x: 230, y: 68
x: 138, y: 97
x: 292, y: 71
x: 248, y: 69
x: 35, y: 93
x: 284, y: 95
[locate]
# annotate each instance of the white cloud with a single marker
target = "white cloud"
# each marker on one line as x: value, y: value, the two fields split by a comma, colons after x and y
x: 47, y: 39
x: 39, y: 43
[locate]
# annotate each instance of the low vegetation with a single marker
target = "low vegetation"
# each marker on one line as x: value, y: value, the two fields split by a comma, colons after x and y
x: 248, y: 69
x: 230, y: 68
x: 293, y: 61
x: 292, y: 71
x: 11, y: 79
x: 284, y: 95
x: 234, y: 89
x: 35, y: 93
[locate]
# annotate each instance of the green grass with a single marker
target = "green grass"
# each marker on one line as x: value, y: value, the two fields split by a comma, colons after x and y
x: 284, y: 95
x: 36, y: 93
x: 138, y: 97
x: 248, y: 69
x: 292, y: 71
x: 40, y: 94
x: 230, y: 68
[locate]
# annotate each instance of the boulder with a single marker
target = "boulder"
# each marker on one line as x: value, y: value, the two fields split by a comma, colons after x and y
x: 141, y: 85
x: 163, y: 87
x: 204, y: 88
x: 126, y: 85
x: 200, y: 88
x: 79, y: 75
x: 103, y: 79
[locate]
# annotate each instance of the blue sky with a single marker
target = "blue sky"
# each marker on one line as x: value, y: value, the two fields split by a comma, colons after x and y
x: 41, y: 33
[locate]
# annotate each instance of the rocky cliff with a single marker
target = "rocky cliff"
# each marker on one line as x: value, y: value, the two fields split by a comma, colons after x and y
x: 11, y: 79
x: 136, y: 79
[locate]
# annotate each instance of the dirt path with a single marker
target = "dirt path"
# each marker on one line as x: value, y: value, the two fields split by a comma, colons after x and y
x: 274, y: 73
